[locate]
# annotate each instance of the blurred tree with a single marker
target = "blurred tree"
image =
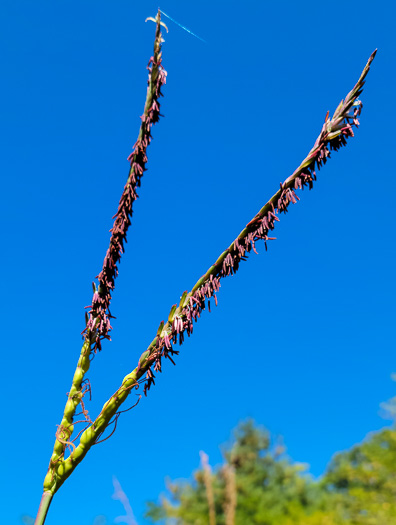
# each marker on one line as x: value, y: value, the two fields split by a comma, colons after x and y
x: 268, y: 486
x: 359, y: 487
x: 361, y: 483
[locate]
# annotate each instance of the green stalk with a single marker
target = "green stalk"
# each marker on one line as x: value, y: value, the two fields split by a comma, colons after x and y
x: 60, y: 468
x: 65, y: 429
x: 330, y: 130
x: 45, y: 502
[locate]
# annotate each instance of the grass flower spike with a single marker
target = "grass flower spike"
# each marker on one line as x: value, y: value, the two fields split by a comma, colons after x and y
x: 98, y: 318
x: 70, y: 450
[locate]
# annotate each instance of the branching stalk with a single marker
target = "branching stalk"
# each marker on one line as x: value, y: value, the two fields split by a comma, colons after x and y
x: 333, y: 135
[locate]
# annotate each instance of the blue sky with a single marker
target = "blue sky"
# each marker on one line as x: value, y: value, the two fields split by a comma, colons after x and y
x: 302, y: 339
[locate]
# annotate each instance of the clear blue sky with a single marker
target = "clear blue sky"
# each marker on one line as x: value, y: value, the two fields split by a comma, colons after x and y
x: 303, y: 337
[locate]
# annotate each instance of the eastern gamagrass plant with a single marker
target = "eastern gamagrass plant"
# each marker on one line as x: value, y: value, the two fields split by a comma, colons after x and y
x: 333, y: 135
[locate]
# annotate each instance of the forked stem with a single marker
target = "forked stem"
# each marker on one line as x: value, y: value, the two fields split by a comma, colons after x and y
x: 333, y: 135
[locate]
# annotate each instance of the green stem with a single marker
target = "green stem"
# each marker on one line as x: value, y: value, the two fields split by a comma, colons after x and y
x: 45, y: 502
x: 91, y: 435
x: 66, y: 428
x: 60, y: 468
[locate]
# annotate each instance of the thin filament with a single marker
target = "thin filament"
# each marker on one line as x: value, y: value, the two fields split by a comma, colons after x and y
x: 185, y: 28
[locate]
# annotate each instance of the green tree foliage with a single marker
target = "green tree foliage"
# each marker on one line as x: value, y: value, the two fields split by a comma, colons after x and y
x: 359, y: 487
x: 362, y: 482
x: 268, y: 486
